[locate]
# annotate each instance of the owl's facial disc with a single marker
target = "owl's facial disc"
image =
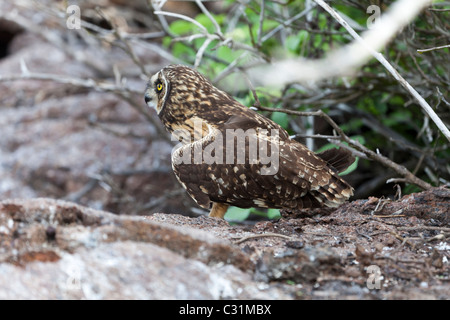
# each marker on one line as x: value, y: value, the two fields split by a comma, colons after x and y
x: 156, y: 92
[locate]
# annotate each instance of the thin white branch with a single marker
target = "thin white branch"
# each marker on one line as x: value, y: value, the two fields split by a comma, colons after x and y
x: 189, y: 38
x: 349, y: 58
x: 218, y: 35
x: 377, y: 41
x: 180, y: 16
x: 286, y: 23
x: 87, y: 83
x: 432, y: 49
x: 201, y: 51
x: 208, y: 14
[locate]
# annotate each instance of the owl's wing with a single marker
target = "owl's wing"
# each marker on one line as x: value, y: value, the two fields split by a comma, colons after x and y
x: 209, y: 173
x: 285, y: 174
x: 319, y: 182
x: 337, y: 159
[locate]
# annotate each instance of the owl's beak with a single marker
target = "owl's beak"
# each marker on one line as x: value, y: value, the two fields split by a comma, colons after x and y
x: 147, y: 98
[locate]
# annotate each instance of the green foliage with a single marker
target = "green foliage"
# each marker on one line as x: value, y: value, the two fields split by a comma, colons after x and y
x: 295, y: 42
x: 236, y: 214
x: 281, y: 118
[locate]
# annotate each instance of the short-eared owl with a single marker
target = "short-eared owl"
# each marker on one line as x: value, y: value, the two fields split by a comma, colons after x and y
x: 232, y: 155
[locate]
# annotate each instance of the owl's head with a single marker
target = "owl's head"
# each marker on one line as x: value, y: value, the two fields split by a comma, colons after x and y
x: 177, y: 86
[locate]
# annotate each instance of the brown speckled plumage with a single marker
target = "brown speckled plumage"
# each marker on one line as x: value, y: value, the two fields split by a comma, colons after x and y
x: 183, y: 97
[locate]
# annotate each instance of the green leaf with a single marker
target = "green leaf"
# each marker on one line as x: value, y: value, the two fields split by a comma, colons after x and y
x: 352, y: 125
x: 182, y: 51
x: 273, y: 213
x: 238, y: 34
x: 323, y: 22
x: 181, y: 27
x: 292, y: 43
x: 207, y: 23
x: 166, y: 42
x: 302, y: 36
x: 235, y: 213
x: 227, y: 54
x: 281, y: 118
x: 351, y: 168
x: 411, y: 189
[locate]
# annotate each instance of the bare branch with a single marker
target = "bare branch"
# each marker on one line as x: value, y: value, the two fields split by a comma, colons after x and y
x: 434, y: 48
x: 344, y: 60
x: 368, y: 44
x: 181, y: 16
x: 261, y: 22
x: 86, y: 83
x: 286, y: 23
x: 408, y: 176
x: 210, y: 17
x: 358, y: 146
x: 126, y: 46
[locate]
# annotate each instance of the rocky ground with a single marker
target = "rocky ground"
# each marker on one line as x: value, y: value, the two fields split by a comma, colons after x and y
x: 52, y: 249
x: 107, y: 161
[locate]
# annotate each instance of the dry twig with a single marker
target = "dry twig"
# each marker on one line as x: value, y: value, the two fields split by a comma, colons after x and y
x: 409, y: 177
x: 268, y: 234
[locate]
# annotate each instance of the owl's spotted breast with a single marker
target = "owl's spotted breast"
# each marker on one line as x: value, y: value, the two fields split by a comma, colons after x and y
x: 232, y: 155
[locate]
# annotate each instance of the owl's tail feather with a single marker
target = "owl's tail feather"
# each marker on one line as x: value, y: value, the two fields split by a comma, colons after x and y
x: 337, y: 159
x: 335, y: 193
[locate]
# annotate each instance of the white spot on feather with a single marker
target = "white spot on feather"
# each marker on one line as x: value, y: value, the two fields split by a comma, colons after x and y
x: 259, y: 202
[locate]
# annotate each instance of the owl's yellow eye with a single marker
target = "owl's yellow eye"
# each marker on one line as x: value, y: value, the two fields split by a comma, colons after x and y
x: 159, y: 87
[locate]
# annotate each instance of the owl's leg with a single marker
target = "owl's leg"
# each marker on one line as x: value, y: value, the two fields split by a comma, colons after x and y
x: 218, y: 210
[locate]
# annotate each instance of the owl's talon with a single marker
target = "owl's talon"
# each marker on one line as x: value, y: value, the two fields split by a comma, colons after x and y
x: 218, y: 210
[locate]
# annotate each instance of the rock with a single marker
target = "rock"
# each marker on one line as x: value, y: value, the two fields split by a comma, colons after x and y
x: 52, y: 249
x: 126, y: 270
x: 298, y: 266
x: 65, y: 141
x: 430, y: 204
